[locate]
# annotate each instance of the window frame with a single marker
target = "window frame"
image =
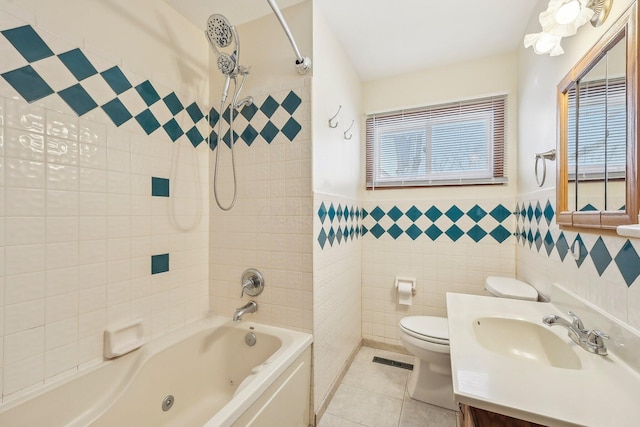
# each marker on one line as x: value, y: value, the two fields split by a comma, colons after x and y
x: 492, y: 109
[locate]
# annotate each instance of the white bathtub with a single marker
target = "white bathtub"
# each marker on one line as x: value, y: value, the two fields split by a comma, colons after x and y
x: 214, y: 377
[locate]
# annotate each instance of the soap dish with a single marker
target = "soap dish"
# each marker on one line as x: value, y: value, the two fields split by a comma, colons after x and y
x: 123, y: 338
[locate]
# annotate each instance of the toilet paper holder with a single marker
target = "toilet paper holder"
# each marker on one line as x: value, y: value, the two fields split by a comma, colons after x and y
x: 410, y: 280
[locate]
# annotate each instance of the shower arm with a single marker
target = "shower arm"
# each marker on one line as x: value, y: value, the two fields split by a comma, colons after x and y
x: 303, y: 63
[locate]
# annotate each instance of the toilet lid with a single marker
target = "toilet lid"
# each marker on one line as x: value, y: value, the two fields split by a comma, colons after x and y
x: 506, y: 287
x: 428, y: 328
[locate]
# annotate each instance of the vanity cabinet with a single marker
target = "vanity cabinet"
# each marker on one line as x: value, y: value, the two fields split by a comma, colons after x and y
x: 470, y: 416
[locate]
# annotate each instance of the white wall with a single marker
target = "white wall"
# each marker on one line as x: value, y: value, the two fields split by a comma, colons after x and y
x: 270, y: 227
x: 538, y: 77
x: 439, y: 264
x: 147, y: 37
x: 336, y: 181
x: 78, y: 222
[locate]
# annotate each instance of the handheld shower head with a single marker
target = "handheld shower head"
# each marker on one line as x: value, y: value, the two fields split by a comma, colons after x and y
x: 226, y: 64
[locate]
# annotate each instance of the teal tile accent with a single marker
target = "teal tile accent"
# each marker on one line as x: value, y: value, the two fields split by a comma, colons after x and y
x: 500, y: 213
x: 395, y: 231
x: 116, y: 79
x: 249, y: 111
x: 562, y: 246
x: 173, y: 129
x: 117, y: 112
x: 414, y: 232
x: 394, y: 213
x: 78, y: 64
x: 628, y: 262
x: 159, y: 263
x: 269, y: 132
x: 433, y: 232
x: 159, y: 187
x: 548, y: 243
x: 454, y: 232
x: 454, y: 213
x: 147, y: 121
x: 78, y: 99
x: 377, y: 213
x: 322, y: 212
x: 476, y: 233
x: 291, y: 102
x: 33, y: 86
x: 28, y: 43
x: 413, y: 213
x: 173, y: 103
x: 600, y: 256
x: 148, y: 93
x: 548, y: 212
x: 28, y: 83
x: 476, y: 213
x: 433, y: 213
x: 291, y: 129
x: 249, y: 135
x: 377, y: 231
x: 322, y: 238
x: 269, y: 106
x: 195, y: 137
x: 194, y: 112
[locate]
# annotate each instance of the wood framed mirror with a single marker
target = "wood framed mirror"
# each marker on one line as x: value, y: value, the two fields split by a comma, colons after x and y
x: 597, y: 176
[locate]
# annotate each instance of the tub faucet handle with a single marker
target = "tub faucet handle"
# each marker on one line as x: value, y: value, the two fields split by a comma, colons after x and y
x: 252, y: 283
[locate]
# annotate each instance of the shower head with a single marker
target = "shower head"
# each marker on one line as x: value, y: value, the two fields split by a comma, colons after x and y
x: 219, y: 31
x: 226, y: 64
x: 220, y: 35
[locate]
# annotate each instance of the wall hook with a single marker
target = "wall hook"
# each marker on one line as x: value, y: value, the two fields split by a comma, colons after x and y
x: 334, y: 125
x: 347, y: 131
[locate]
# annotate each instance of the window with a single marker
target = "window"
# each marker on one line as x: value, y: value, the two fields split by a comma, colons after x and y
x: 461, y: 143
x: 600, y: 108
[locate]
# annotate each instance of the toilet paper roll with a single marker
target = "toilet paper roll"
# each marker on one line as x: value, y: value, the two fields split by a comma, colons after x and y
x: 405, y: 295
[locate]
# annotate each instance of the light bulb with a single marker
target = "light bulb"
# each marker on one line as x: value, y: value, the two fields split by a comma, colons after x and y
x: 545, y: 43
x: 568, y: 12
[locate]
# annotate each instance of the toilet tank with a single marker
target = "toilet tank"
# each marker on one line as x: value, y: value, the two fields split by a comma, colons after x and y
x: 507, y: 287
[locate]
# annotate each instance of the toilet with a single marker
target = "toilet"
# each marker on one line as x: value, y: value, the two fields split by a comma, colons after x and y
x: 427, y: 338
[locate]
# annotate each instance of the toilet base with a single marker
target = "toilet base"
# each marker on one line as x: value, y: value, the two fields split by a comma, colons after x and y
x: 432, y: 384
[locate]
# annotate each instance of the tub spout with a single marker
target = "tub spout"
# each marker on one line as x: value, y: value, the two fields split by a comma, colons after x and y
x: 250, y: 307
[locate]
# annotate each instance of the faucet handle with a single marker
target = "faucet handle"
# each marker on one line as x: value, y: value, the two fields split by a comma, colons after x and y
x: 577, y: 322
x: 595, y: 340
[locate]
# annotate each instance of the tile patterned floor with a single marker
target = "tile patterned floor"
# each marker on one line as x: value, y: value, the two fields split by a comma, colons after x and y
x: 375, y: 395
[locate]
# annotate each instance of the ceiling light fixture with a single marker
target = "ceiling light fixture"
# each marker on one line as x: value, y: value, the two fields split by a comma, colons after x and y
x: 562, y: 19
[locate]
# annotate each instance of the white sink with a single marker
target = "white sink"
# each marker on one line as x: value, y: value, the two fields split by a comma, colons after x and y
x: 505, y: 360
x: 525, y: 341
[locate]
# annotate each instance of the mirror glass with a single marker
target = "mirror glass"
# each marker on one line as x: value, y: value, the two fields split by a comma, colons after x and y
x: 596, y: 104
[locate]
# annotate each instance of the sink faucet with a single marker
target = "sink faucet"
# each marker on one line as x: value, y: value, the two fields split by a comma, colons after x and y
x: 250, y: 307
x: 592, y: 341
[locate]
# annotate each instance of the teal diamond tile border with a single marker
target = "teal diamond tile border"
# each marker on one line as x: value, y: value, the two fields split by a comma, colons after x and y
x: 34, y: 85
x: 340, y: 223
x: 534, y: 233
x: 451, y: 222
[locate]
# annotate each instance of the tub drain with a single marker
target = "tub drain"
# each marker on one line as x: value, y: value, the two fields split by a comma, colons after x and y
x: 167, y: 403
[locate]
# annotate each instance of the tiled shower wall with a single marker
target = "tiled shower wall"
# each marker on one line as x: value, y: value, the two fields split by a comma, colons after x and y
x: 88, y: 237
x: 603, y: 269
x: 270, y: 227
x: 447, y: 246
x: 336, y: 291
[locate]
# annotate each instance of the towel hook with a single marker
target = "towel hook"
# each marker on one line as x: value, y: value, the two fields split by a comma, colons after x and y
x: 347, y: 131
x: 547, y: 155
x: 334, y: 125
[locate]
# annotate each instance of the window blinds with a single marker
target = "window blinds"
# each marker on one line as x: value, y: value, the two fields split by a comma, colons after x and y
x: 461, y: 143
x: 598, y: 110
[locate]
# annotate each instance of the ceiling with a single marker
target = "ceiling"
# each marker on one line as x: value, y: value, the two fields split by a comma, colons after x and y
x: 385, y: 38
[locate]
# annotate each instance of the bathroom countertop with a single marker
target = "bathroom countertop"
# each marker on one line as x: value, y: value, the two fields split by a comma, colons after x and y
x: 602, y: 392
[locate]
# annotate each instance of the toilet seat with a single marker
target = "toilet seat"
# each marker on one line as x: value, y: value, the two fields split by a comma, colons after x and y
x: 427, y: 328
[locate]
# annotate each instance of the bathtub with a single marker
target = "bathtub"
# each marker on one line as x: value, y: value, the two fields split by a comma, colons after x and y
x: 205, y: 373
